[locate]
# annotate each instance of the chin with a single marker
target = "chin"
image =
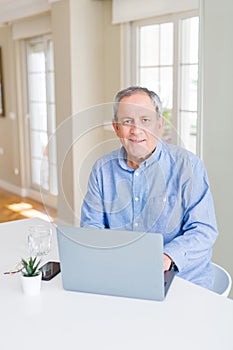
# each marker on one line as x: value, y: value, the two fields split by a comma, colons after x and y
x: 138, y: 157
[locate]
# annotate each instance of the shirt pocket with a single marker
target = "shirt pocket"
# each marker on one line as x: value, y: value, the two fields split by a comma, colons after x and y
x: 163, y: 213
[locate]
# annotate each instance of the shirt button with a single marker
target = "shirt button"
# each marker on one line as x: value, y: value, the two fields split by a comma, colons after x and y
x: 136, y: 199
x: 135, y: 224
x: 164, y: 199
x: 136, y: 173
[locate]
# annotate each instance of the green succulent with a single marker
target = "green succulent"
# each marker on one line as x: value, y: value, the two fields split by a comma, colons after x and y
x: 30, y: 267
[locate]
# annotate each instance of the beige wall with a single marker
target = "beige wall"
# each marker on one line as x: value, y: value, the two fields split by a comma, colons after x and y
x: 9, y: 160
x: 217, y: 67
x: 87, y: 64
x: 95, y: 79
x: 112, y: 54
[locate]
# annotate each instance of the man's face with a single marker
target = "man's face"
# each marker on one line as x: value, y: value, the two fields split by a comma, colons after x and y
x: 138, y: 127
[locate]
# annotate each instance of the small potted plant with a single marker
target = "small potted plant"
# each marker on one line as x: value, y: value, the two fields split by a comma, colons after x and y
x: 31, y: 276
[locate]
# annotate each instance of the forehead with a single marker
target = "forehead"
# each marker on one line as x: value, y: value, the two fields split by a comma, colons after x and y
x: 135, y: 105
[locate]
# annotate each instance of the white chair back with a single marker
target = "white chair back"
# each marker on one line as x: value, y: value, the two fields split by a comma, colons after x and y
x: 222, y: 281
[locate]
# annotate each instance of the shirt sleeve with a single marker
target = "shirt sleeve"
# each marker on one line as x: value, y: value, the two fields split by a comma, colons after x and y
x: 199, y: 227
x: 92, y: 212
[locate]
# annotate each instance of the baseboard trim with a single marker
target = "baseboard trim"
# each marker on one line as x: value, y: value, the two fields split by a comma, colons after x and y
x: 24, y: 192
x: 12, y: 188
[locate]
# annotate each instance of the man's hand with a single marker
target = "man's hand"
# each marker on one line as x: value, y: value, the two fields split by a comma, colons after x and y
x: 166, y: 262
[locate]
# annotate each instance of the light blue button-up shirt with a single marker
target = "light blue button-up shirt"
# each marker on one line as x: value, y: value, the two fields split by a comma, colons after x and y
x: 169, y: 193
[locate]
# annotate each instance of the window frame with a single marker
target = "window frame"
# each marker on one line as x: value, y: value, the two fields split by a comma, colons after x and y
x: 132, y: 61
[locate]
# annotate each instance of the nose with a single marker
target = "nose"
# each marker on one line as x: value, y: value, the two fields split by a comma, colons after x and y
x: 135, y: 129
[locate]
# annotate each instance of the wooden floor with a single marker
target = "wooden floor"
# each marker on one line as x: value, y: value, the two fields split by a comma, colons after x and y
x: 14, y: 207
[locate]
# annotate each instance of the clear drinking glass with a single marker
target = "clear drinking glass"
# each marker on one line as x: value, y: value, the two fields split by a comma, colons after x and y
x: 39, y: 240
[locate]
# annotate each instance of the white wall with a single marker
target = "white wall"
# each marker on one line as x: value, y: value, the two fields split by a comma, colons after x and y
x: 217, y: 68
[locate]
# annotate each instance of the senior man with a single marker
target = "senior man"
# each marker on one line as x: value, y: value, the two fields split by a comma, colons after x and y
x: 150, y: 186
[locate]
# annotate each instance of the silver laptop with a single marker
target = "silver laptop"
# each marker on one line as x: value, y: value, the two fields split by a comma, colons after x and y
x: 111, y: 262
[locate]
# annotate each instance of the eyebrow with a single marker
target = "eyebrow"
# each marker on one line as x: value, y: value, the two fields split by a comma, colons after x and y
x: 133, y: 118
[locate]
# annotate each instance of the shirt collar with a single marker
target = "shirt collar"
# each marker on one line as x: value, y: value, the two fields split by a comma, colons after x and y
x: 153, y: 158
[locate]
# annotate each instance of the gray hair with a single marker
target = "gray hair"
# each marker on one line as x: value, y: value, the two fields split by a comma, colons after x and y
x: 132, y: 90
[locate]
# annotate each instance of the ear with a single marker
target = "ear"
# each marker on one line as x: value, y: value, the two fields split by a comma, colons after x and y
x: 161, y: 123
x: 116, y: 128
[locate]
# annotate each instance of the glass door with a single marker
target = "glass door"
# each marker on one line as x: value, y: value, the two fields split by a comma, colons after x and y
x: 41, y: 114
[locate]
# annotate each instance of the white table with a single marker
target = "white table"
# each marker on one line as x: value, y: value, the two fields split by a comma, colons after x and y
x: 190, y: 318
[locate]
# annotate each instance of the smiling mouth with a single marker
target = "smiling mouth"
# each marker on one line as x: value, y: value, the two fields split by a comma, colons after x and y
x: 137, y: 141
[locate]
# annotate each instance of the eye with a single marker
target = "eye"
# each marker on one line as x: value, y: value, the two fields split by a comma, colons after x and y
x: 146, y: 120
x: 127, y: 122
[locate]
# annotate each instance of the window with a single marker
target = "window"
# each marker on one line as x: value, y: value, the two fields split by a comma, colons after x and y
x: 41, y: 111
x: 165, y: 59
x: 188, y: 67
